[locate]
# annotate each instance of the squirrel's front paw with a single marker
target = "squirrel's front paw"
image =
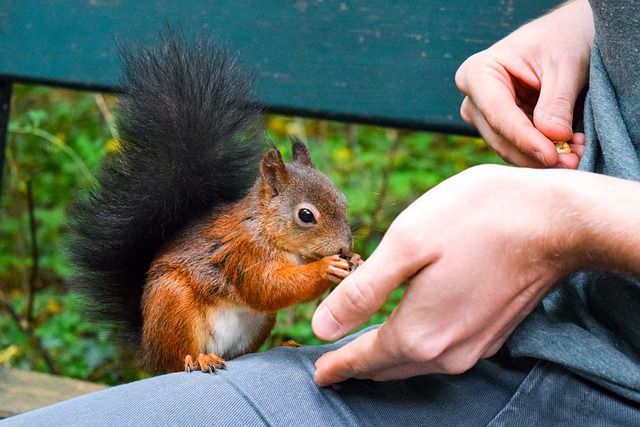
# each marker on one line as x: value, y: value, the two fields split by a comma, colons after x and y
x: 355, y: 261
x: 337, y: 268
x: 204, y: 362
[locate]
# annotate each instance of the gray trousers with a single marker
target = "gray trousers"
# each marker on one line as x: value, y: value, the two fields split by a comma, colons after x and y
x: 276, y: 388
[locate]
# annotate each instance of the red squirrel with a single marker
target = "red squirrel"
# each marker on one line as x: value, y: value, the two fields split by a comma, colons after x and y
x: 194, y: 237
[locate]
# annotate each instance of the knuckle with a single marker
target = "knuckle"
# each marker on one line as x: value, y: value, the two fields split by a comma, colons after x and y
x: 359, y: 295
x: 465, y: 110
x: 422, y: 351
x: 461, y: 78
x: 559, y: 106
x: 563, y: 103
x: 465, y: 70
x: 356, y: 367
x: 408, y: 346
x: 456, y: 366
x: 455, y: 361
x: 403, y: 230
x: 438, y: 354
x: 496, y: 120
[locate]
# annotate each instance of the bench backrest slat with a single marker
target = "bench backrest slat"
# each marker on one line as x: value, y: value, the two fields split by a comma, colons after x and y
x: 384, y: 62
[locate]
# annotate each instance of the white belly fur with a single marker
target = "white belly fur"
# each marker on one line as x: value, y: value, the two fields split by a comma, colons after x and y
x: 233, y: 330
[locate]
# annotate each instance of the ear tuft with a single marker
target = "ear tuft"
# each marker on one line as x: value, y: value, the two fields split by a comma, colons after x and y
x: 273, y: 170
x: 300, y: 153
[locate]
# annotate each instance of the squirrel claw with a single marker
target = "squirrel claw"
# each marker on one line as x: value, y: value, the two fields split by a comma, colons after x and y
x: 337, y: 268
x: 337, y: 272
x: 189, y: 366
x: 355, y: 261
x: 204, y: 362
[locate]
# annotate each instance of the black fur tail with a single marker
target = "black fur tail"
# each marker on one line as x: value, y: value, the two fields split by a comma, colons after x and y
x: 188, y: 142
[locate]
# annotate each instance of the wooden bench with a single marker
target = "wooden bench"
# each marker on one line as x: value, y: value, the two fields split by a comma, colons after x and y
x: 380, y: 62
x: 22, y: 391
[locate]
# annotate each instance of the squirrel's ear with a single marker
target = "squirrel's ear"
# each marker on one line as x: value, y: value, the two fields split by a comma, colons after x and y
x: 273, y: 170
x: 300, y: 152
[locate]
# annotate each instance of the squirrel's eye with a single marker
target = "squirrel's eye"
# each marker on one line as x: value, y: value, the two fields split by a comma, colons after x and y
x: 306, y: 216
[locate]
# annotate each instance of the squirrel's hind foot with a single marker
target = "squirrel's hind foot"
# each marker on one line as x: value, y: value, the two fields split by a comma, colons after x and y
x: 204, y: 362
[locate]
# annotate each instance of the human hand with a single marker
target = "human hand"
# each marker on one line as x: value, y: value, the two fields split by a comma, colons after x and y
x: 521, y: 92
x: 478, y: 252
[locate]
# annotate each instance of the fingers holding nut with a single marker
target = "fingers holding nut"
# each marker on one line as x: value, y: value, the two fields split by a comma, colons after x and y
x: 337, y: 269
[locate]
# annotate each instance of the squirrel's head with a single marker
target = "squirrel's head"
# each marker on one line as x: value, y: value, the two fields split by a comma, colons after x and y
x: 307, y: 214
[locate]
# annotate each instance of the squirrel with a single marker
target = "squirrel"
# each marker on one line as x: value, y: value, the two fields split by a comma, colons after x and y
x: 196, y: 234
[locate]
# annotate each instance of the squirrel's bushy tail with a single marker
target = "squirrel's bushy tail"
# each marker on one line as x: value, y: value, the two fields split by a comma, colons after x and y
x: 188, y: 141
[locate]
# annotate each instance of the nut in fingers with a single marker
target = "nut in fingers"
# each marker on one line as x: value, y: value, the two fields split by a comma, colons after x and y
x: 562, y: 147
x: 355, y: 261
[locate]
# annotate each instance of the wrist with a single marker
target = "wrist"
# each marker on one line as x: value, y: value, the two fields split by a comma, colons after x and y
x: 569, y: 29
x: 573, y: 18
x: 605, y: 212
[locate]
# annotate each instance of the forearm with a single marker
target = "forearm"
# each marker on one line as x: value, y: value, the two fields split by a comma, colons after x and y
x: 577, y: 16
x: 608, y: 210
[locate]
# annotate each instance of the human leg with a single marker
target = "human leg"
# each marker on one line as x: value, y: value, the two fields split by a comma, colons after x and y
x: 277, y: 388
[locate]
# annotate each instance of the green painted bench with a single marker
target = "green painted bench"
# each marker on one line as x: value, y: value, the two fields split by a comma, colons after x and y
x: 370, y: 61
x: 366, y: 61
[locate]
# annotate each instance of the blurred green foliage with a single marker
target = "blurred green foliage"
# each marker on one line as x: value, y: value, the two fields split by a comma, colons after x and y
x: 56, y: 141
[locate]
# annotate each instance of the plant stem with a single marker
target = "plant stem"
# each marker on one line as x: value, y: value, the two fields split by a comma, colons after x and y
x: 58, y: 143
x: 384, y: 188
x: 35, y: 257
x: 35, y: 342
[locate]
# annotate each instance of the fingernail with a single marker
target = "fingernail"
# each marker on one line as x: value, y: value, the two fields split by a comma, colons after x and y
x: 559, y: 120
x: 324, y: 325
x: 318, y: 378
x: 538, y: 155
x: 320, y: 383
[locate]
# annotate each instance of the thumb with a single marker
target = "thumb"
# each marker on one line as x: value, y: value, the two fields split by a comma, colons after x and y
x: 365, y: 290
x: 553, y: 115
